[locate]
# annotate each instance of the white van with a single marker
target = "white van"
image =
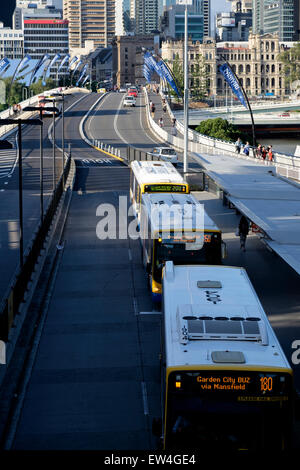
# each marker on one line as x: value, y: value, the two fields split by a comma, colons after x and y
x: 167, y: 154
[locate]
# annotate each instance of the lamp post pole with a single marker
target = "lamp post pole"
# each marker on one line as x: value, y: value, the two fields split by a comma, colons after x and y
x: 186, y: 93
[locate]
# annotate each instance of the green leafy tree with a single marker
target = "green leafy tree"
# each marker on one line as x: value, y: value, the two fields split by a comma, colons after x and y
x: 219, y: 129
x: 291, y: 63
x: 37, y: 88
x: 199, y: 78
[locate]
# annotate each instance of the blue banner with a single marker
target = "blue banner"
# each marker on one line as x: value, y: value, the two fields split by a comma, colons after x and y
x: 63, y: 62
x: 77, y: 66
x: 85, y: 80
x: 40, y: 64
x: 233, y: 82
x: 147, y: 73
x: 152, y: 64
x: 55, y: 59
x: 72, y: 62
x: 3, y: 65
x: 23, y: 63
x: 83, y: 72
x: 168, y: 76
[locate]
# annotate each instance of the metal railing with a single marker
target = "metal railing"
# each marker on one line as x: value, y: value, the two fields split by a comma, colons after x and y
x: 16, y: 290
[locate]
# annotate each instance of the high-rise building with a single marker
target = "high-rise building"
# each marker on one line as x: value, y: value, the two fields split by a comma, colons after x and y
x: 11, y: 43
x: 45, y: 32
x: 90, y: 21
x: 146, y: 16
x: 206, y: 17
x: 242, y: 6
x: 233, y: 26
x: 198, y: 22
x: 275, y: 17
x: 173, y: 23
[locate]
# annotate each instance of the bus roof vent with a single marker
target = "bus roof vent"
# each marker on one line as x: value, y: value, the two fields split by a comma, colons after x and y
x: 196, y: 326
x: 209, y: 284
x: 228, y: 357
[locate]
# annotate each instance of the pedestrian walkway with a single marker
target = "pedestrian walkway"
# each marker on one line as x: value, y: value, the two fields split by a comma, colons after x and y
x: 273, y: 204
x: 167, y: 120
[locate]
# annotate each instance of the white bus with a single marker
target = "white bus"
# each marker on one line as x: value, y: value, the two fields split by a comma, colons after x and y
x: 226, y: 381
x: 184, y: 235
x: 154, y: 177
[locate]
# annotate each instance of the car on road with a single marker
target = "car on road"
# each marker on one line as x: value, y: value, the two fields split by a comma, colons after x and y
x: 122, y: 89
x: 129, y: 101
x: 167, y: 154
x: 133, y: 92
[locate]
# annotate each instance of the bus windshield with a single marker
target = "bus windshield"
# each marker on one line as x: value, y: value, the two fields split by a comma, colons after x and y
x: 242, y: 419
x: 186, y: 253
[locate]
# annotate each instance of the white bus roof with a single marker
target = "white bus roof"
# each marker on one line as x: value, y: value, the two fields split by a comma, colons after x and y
x: 213, y: 317
x: 156, y: 172
x: 181, y: 200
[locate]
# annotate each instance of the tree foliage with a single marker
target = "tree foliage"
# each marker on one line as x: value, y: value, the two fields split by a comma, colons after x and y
x: 14, y: 92
x: 291, y: 63
x: 219, y: 129
x: 199, y: 75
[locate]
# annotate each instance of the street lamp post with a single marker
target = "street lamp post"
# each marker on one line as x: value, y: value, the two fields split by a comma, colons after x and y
x: 186, y: 93
x: 20, y: 122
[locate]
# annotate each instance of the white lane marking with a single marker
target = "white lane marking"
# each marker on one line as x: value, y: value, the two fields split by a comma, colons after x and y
x: 154, y: 312
x: 8, y: 160
x: 145, y: 398
x: 129, y: 254
x: 135, y: 306
x: 115, y: 124
x: 143, y: 128
x: 57, y: 120
x: 92, y: 116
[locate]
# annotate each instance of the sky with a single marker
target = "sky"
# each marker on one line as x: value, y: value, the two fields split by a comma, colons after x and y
x: 6, y: 11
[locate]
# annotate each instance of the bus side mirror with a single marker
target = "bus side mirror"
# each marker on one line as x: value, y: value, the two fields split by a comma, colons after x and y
x: 224, y: 250
x: 156, y: 427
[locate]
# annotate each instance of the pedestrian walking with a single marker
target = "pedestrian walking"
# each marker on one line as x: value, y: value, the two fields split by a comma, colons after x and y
x: 173, y: 121
x: 243, y: 232
x: 173, y: 131
x: 263, y: 153
x: 258, y: 151
x: 238, y: 146
x: 153, y: 110
x: 246, y: 149
x: 164, y: 108
x: 270, y: 153
x: 161, y: 122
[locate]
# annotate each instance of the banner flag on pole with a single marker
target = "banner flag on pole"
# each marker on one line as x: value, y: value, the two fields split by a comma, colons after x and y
x: 76, y: 67
x: 85, y: 80
x: 168, y: 76
x: 72, y: 62
x: 40, y: 64
x: 65, y: 59
x: 3, y: 64
x: 83, y: 72
x: 233, y: 82
x: 55, y: 59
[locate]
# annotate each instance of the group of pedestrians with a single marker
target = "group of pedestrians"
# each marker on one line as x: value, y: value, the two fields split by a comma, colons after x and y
x: 266, y: 153
x: 263, y: 152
